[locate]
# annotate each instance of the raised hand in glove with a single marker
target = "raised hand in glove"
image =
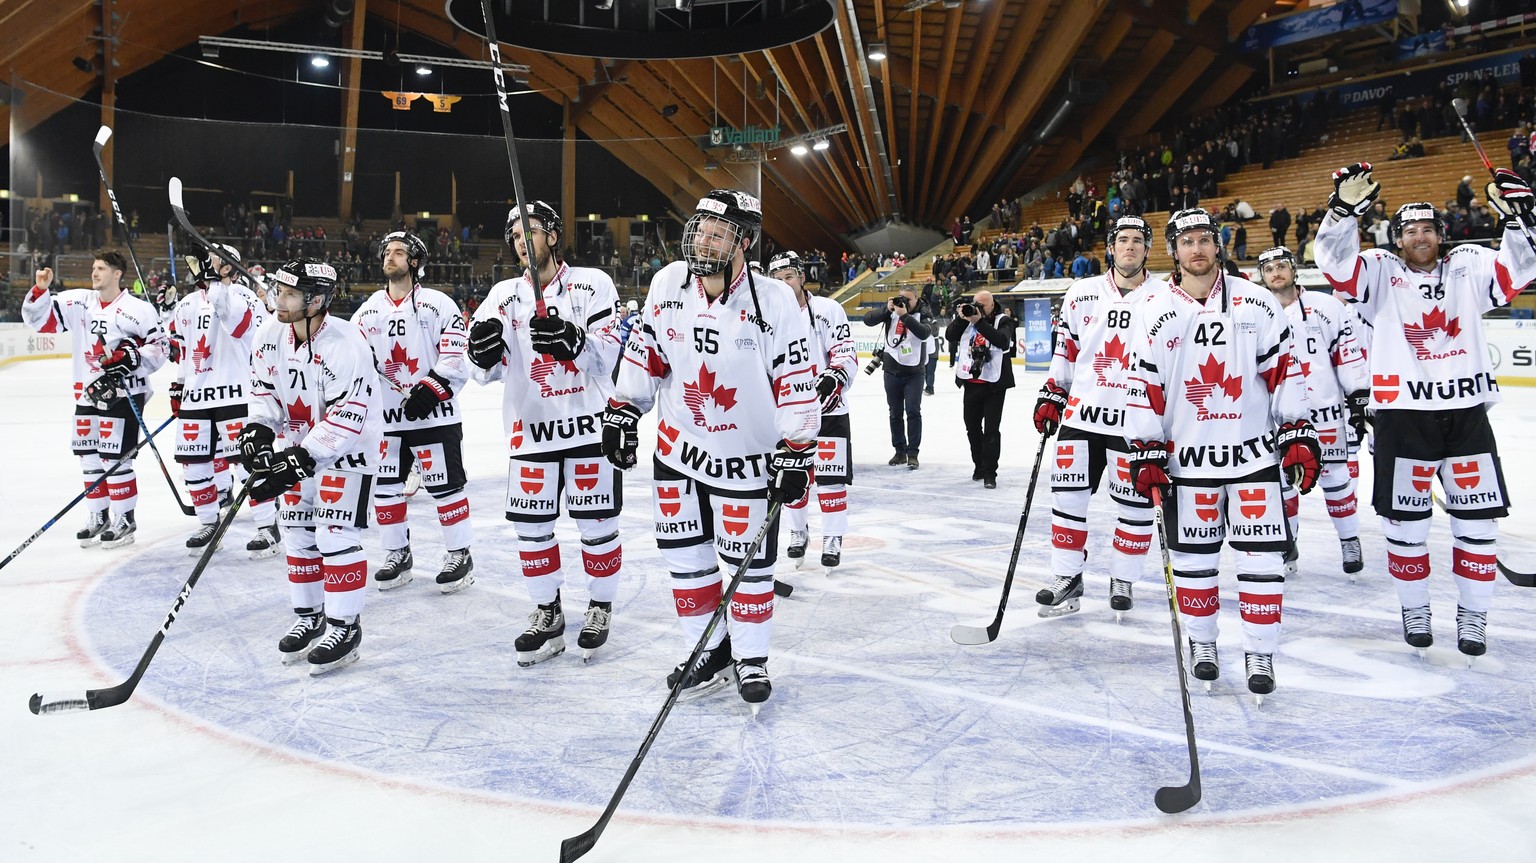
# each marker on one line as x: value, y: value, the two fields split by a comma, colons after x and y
x: 1049, y: 408
x: 1510, y: 194
x: 1353, y: 190
x: 123, y: 359
x: 426, y: 395
x: 254, y: 440
x: 621, y: 433
x: 559, y: 338
x: 789, y: 471
x: 829, y: 388
x: 1357, y: 402
x: 486, y: 344
x: 1148, y: 461
x: 1299, y: 454
x: 276, y: 472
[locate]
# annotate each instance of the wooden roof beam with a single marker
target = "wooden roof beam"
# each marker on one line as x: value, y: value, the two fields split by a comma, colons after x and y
x: 1173, y: 87
x: 978, y: 58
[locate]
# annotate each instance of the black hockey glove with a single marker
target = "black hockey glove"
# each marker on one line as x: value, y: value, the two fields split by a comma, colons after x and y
x: 486, y: 345
x: 276, y: 472
x: 1353, y: 190
x: 107, y: 389
x: 789, y: 471
x: 829, y: 388
x: 1299, y: 454
x: 1511, y: 196
x: 621, y: 433
x: 175, y: 393
x: 254, y: 440
x: 123, y: 359
x: 173, y: 354
x: 560, y: 339
x: 1357, y: 402
x: 426, y: 395
x: 1049, y: 408
x: 1148, y: 461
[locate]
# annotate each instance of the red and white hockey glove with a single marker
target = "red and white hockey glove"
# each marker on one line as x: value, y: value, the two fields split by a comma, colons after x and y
x: 829, y: 388
x: 1299, y: 454
x: 1148, y: 462
x: 1510, y: 194
x: 789, y: 471
x: 429, y: 392
x: 175, y: 392
x: 1049, y: 408
x: 123, y: 359
x: 1353, y: 190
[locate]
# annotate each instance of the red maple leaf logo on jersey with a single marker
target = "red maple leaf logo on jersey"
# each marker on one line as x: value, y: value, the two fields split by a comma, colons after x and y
x: 544, y: 366
x: 1420, y: 335
x: 300, y: 417
x: 1113, y: 354
x: 1213, y: 378
x: 702, y: 391
x: 200, y: 354
x: 95, y: 353
x: 399, y: 359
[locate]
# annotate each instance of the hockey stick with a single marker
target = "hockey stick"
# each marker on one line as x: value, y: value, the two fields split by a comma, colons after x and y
x: 177, y: 209
x: 1176, y: 798
x: 971, y: 635
x: 1514, y: 576
x: 1461, y: 114
x: 102, y: 134
x: 82, y: 495
x: 517, y: 175
x: 138, y: 414
x: 576, y: 846
x: 96, y: 699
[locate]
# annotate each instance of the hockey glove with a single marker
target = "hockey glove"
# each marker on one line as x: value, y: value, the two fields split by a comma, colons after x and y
x: 1357, y: 402
x: 1148, y: 461
x: 123, y: 359
x: 1049, y: 407
x: 426, y: 395
x: 486, y: 345
x: 560, y: 339
x: 173, y: 354
x: 255, y: 440
x: 276, y: 472
x: 105, y: 391
x: 1353, y: 190
x: 1299, y: 454
x: 789, y: 471
x: 1511, y: 196
x: 621, y: 433
x: 829, y: 388
x: 175, y: 392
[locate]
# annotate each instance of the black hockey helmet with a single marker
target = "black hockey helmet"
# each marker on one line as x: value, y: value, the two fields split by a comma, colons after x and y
x: 548, y: 219
x: 1278, y: 253
x: 1129, y: 223
x: 311, y: 276
x: 415, y: 249
x: 786, y: 261
x: 1414, y: 211
x: 1192, y: 219
x: 741, y: 213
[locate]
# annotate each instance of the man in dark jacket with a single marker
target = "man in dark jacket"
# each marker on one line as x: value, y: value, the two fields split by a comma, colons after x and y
x: 1280, y: 223
x: 981, y: 339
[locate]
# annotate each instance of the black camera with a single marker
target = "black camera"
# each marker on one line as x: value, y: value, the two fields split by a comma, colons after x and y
x: 968, y: 309
x: 900, y: 302
x: 874, y: 363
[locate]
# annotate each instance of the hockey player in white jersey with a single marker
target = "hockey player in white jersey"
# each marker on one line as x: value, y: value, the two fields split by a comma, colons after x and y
x: 213, y: 328
x: 557, y: 371
x: 1084, y: 396
x: 313, y: 383
x: 1338, y: 391
x: 1214, y: 379
x: 1432, y: 384
x: 418, y: 339
x: 723, y: 354
x: 118, y: 343
x: 837, y: 365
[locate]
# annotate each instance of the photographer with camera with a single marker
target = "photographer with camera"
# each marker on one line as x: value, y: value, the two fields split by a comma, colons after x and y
x: 982, y: 339
x: 903, y: 355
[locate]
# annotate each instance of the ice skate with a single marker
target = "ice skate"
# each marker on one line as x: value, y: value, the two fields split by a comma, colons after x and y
x: 338, y: 648
x: 1261, y: 675
x: 121, y: 532
x: 1416, y: 629
x: 265, y: 543
x: 752, y: 682
x: 91, y: 533
x: 1064, y: 596
x: 1120, y: 597
x: 396, y: 571
x: 594, y: 633
x: 831, y: 552
x: 1354, y: 560
x: 1471, y: 633
x: 798, y: 539
x: 545, y: 636
x: 309, y: 626
x: 711, y: 672
x: 199, y: 541
x: 457, y: 573
x: 226, y: 500
x: 1204, y: 664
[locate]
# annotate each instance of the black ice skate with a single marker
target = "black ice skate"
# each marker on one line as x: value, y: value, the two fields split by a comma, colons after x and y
x: 457, y: 573
x: 309, y: 626
x: 199, y: 541
x: 545, y: 636
x: 396, y: 571
x: 1354, y: 560
x: 1471, y: 633
x: 1064, y: 596
x: 91, y: 533
x: 121, y: 532
x: 798, y: 539
x: 1416, y: 629
x: 338, y: 649
x: 1203, y: 662
x: 752, y: 682
x: 594, y: 633
x: 265, y: 543
x: 1261, y: 675
x: 711, y: 672
x: 831, y: 552
x: 1120, y: 597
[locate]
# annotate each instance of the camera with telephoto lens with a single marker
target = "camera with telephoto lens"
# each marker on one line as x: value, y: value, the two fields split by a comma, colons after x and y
x: 968, y: 309
x: 874, y: 363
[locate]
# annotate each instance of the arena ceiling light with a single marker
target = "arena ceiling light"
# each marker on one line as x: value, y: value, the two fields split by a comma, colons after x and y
x: 423, y: 70
x: 876, y: 51
x: 320, y: 61
x: 800, y: 149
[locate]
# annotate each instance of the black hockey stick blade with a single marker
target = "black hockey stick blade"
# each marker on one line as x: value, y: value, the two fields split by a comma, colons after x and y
x: 1517, y: 578
x: 1173, y: 799
x: 185, y: 223
x: 973, y: 635
x: 186, y: 508
x: 782, y: 588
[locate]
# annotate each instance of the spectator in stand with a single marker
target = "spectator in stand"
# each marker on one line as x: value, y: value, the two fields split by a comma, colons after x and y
x: 1082, y: 268
x: 1240, y: 242
x: 1464, y: 192
x: 1279, y: 223
x: 1242, y: 210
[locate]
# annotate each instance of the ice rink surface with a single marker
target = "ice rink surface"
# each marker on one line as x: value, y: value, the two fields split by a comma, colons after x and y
x: 883, y: 741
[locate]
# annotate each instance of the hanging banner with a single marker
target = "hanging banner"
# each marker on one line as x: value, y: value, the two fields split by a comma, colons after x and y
x: 443, y: 104
x: 401, y: 101
x: 1503, y: 67
x: 1316, y: 23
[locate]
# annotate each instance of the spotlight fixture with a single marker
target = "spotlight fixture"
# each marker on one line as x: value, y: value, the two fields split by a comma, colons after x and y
x: 320, y: 61
x: 876, y: 51
x: 603, y: 5
x: 83, y: 65
x: 799, y: 149
x: 669, y: 109
x: 423, y: 70
x: 821, y: 144
x: 684, y: 5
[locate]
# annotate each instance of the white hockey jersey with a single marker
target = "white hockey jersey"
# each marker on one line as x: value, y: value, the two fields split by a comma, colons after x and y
x: 423, y: 332
x: 552, y: 405
x: 731, y: 376
x: 1094, y: 351
x: 1214, y: 379
x: 215, y: 328
x: 98, y: 328
x: 832, y: 344
x: 1428, y: 350
x: 323, y: 395
x: 1330, y: 357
